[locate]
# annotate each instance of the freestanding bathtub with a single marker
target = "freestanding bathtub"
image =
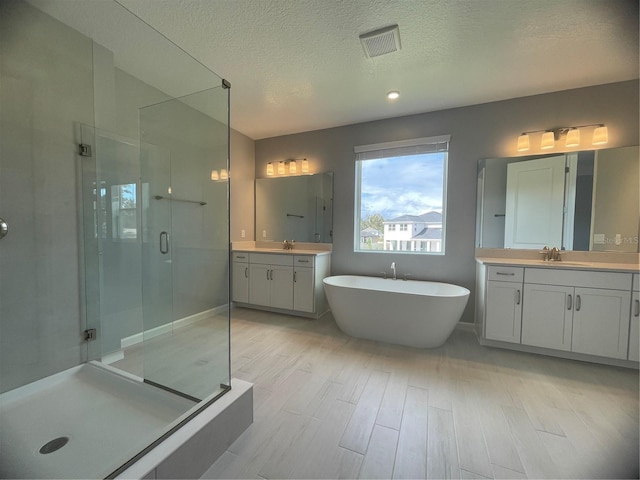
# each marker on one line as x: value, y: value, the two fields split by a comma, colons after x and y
x: 406, y: 312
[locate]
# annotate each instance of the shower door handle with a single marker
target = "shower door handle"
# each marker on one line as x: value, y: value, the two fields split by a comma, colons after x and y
x: 164, y: 243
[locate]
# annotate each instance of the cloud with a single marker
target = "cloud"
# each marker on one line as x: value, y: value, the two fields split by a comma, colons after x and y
x: 409, y: 185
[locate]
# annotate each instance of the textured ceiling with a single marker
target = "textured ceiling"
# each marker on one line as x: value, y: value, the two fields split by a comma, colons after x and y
x: 298, y: 65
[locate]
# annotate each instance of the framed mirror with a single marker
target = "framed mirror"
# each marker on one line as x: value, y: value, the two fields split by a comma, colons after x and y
x: 586, y: 201
x: 296, y: 208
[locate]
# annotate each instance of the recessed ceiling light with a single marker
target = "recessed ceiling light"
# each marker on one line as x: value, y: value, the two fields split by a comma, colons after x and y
x: 392, y: 95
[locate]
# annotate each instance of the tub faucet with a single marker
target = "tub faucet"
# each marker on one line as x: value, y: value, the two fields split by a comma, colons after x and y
x: 393, y: 269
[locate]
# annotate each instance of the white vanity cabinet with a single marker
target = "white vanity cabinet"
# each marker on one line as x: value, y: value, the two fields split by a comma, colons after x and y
x: 547, y: 316
x: 240, y: 277
x: 634, y: 327
x: 271, y: 280
x: 577, y: 311
x: 503, y: 315
x: 303, y: 283
x: 283, y: 282
x: 574, y: 313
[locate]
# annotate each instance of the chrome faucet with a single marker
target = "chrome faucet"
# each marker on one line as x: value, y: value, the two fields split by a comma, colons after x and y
x: 393, y: 269
x: 288, y: 245
x: 545, y: 253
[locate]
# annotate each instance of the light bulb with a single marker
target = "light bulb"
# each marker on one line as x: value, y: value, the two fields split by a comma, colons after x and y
x: 547, y: 141
x: 523, y: 142
x: 214, y: 175
x: 269, y: 169
x: 573, y: 138
x: 169, y: 190
x: 305, y: 165
x: 393, y: 95
x: 293, y: 167
x: 600, y: 135
x: 280, y: 168
x: 223, y: 174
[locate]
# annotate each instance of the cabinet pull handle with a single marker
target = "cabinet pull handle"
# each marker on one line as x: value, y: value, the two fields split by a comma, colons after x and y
x: 303, y: 261
x: 294, y: 277
x: 164, y: 246
x: 240, y: 256
x: 510, y: 274
x: 518, y: 297
x: 267, y: 274
x: 246, y: 272
x: 271, y: 275
x: 578, y: 303
x: 637, y: 305
x: 569, y: 302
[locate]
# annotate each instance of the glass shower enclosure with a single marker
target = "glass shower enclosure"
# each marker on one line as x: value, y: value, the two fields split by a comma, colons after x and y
x: 114, y: 270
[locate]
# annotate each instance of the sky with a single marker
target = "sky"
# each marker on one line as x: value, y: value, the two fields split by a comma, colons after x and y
x: 408, y: 185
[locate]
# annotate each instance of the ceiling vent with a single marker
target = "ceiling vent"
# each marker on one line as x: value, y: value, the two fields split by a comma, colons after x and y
x: 380, y: 42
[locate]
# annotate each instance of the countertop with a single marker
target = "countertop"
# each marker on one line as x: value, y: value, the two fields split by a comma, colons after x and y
x: 568, y: 264
x: 282, y: 251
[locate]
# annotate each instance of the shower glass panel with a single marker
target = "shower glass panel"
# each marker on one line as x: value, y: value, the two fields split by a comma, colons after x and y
x: 185, y: 244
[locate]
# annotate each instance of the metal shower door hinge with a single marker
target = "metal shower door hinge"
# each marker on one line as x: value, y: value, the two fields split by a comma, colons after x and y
x: 85, y: 150
x: 90, y: 334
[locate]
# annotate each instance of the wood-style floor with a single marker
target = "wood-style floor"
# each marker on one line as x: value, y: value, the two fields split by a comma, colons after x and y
x: 331, y: 406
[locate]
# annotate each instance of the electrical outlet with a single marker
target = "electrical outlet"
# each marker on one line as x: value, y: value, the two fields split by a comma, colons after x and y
x: 264, y: 234
x: 242, y: 233
x: 618, y: 239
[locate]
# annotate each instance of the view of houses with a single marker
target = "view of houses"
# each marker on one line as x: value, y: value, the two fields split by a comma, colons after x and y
x: 406, y: 233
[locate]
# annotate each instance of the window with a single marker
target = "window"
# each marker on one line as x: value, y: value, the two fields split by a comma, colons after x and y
x: 402, y: 183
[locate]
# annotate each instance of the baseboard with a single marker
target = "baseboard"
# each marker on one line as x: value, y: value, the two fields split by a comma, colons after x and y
x: 168, y: 327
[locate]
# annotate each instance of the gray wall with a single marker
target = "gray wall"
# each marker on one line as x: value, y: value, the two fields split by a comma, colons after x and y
x: 40, y: 312
x: 480, y: 131
x: 242, y: 173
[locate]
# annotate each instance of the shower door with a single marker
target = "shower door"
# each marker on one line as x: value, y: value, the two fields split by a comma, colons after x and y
x: 185, y: 242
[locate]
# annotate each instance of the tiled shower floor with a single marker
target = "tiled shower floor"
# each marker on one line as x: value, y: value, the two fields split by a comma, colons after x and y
x: 106, y: 416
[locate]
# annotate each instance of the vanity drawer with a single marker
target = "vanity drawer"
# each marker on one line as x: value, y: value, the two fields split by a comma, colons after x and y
x: 636, y: 282
x: 242, y: 257
x: 271, y: 259
x: 575, y: 278
x: 303, y: 260
x: 505, y: 274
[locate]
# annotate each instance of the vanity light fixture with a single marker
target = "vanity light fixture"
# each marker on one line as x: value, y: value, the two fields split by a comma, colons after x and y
x: 214, y: 175
x: 224, y: 175
x: 393, y: 95
x: 571, y: 134
x: 291, y: 167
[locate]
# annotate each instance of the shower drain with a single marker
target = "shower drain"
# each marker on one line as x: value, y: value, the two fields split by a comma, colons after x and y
x: 54, y: 445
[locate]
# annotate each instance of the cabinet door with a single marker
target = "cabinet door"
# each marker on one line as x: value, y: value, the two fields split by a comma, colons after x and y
x: 601, y: 322
x: 503, y: 311
x: 240, y: 282
x: 547, y: 316
x: 281, y: 287
x: 259, y: 284
x: 303, y: 292
x: 634, y: 328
